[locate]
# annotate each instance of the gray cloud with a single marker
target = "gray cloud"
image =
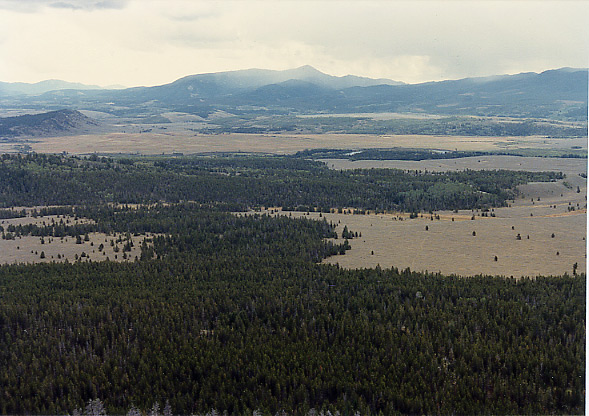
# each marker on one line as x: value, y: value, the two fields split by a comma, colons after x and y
x: 64, y: 5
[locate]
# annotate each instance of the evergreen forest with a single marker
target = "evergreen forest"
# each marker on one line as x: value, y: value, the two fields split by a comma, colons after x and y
x: 231, y: 310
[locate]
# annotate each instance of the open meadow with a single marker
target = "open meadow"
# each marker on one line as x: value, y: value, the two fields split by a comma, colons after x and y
x: 569, y: 166
x: 168, y: 141
x: 550, y: 219
x: 97, y: 246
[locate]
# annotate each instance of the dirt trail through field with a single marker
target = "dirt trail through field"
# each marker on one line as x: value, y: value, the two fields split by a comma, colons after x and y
x: 565, y: 214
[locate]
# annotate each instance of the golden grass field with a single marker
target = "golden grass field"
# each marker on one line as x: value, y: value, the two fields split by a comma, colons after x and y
x: 450, y: 247
x: 164, y: 141
x: 571, y: 167
x: 27, y: 249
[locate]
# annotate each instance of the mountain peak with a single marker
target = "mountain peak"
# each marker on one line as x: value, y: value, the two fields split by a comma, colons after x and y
x: 232, y: 82
x: 308, y: 69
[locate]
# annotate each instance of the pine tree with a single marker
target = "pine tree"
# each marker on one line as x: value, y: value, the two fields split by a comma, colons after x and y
x: 133, y: 411
x: 94, y: 408
x: 167, y: 409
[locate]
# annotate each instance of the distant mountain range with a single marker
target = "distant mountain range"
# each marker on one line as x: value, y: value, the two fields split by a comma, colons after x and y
x: 23, y: 88
x: 557, y: 94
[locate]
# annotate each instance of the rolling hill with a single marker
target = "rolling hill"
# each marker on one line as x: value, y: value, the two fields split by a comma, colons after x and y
x: 45, y: 124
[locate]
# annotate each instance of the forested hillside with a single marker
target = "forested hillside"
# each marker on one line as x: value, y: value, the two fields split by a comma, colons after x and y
x: 244, y: 182
x: 235, y: 313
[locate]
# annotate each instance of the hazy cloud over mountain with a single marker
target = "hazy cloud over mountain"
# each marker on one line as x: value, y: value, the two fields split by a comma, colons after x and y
x: 148, y: 42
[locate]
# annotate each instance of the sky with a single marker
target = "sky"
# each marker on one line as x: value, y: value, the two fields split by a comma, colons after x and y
x: 153, y: 42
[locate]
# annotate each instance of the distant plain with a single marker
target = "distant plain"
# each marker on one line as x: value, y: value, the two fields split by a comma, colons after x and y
x: 181, y: 141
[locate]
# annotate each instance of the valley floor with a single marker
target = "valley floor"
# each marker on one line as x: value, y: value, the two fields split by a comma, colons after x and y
x: 165, y: 140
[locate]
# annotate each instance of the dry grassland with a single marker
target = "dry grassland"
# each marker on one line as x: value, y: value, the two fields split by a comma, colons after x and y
x: 456, y: 244
x: 163, y: 141
x: 28, y: 249
x: 570, y: 167
x: 451, y: 248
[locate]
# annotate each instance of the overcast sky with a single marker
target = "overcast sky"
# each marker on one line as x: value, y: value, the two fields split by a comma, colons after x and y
x: 151, y: 42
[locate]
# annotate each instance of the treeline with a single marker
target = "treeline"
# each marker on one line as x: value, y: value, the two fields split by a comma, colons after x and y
x: 241, y: 183
x: 385, y: 154
x: 426, y: 154
x: 190, y: 227
x: 234, y: 314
